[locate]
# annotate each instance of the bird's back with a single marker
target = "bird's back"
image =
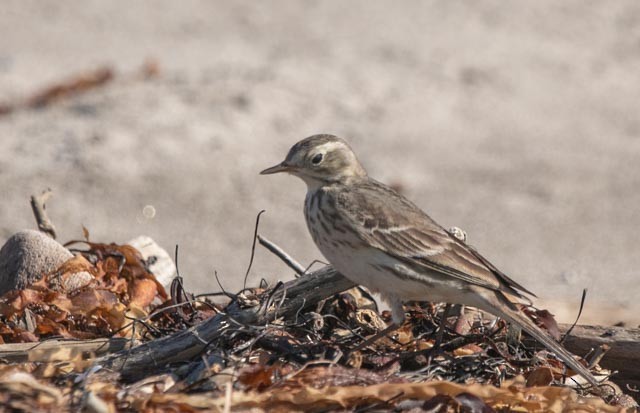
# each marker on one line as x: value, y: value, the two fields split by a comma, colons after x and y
x: 389, y: 222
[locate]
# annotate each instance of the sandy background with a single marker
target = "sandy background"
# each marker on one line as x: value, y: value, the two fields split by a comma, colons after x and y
x: 518, y: 122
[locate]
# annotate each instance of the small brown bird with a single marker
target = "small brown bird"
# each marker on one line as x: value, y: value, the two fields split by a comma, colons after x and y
x: 379, y: 239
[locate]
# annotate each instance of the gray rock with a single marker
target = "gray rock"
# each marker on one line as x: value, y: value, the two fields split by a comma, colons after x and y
x: 26, y: 256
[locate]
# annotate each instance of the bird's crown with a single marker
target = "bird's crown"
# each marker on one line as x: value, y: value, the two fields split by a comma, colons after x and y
x: 320, y: 159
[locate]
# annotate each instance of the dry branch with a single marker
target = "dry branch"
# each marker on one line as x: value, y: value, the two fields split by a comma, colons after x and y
x: 623, y: 355
x: 295, y: 296
x: 306, y: 292
x: 39, y: 211
x: 280, y: 253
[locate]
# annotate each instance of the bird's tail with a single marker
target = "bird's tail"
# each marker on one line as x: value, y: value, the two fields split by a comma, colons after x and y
x: 515, y: 316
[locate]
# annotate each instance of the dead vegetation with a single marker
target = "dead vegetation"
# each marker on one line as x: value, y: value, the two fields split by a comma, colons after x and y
x: 121, y: 343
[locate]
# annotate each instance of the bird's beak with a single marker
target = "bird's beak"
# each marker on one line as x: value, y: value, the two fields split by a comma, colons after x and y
x: 281, y: 167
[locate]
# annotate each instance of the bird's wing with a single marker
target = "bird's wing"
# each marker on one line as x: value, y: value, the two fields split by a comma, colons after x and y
x: 394, y: 225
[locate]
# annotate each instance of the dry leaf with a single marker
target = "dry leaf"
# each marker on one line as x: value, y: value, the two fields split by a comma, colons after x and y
x: 144, y: 292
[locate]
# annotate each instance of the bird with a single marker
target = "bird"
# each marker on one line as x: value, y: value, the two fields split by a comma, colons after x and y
x: 378, y: 238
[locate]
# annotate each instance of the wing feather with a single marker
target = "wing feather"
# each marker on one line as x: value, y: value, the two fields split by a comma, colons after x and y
x: 394, y: 225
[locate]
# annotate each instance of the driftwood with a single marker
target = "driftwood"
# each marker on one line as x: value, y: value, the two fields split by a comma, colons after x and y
x: 306, y: 292
x: 623, y: 355
x: 288, y: 300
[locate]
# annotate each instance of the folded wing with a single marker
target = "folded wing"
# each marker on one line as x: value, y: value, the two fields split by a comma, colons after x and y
x: 393, y: 224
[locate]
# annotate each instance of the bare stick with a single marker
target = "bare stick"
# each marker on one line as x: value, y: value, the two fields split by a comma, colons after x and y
x: 568, y: 333
x: 39, y: 211
x: 598, y: 354
x: 279, y: 252
x: 253, y: 248
x: 300, y: 293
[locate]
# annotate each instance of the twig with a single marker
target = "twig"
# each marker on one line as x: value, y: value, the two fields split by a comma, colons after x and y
x: 39, y: 211
x: 267, y: 303
x: 253, y: 248
x: 178, y: 293
x: 314, y: 262
x: 230, y: 295
x: 175, y: 258
x: 598, y: 354
x: 279, y: 252
x: 584, y: 296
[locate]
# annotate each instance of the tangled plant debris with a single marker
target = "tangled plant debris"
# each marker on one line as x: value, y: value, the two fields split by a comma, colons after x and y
x: 115, y: 288
x: 270, y: 351
x: 100, y: 333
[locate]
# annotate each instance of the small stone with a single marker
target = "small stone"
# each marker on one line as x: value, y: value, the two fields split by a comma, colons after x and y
x: 26, y: 257
x: 76, y: 281
x: 71, y: 276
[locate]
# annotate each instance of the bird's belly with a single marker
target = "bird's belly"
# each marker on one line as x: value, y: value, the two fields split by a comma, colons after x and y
x: 355, y: 267
x: 384, y: 274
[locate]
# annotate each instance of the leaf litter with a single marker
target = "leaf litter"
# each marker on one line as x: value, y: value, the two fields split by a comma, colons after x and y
x: 294, y: 364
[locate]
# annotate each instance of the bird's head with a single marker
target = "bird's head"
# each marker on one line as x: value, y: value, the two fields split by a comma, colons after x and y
x: 319, y: 160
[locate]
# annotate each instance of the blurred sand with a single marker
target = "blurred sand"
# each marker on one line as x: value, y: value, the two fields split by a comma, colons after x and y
x: 518, y: 122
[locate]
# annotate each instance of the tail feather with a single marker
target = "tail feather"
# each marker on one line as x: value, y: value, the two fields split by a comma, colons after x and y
x: 516, y: 317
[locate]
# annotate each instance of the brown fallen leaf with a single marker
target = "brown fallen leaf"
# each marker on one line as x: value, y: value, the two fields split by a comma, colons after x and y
x: 143, y: 293
x: 256, y: 377
x: 544, y: 319
x: 542, y: 376
x: 16, y: 301
x: 467, y: 350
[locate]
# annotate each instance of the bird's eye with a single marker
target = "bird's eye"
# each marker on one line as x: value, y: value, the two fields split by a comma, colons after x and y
x: 316, y: 159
